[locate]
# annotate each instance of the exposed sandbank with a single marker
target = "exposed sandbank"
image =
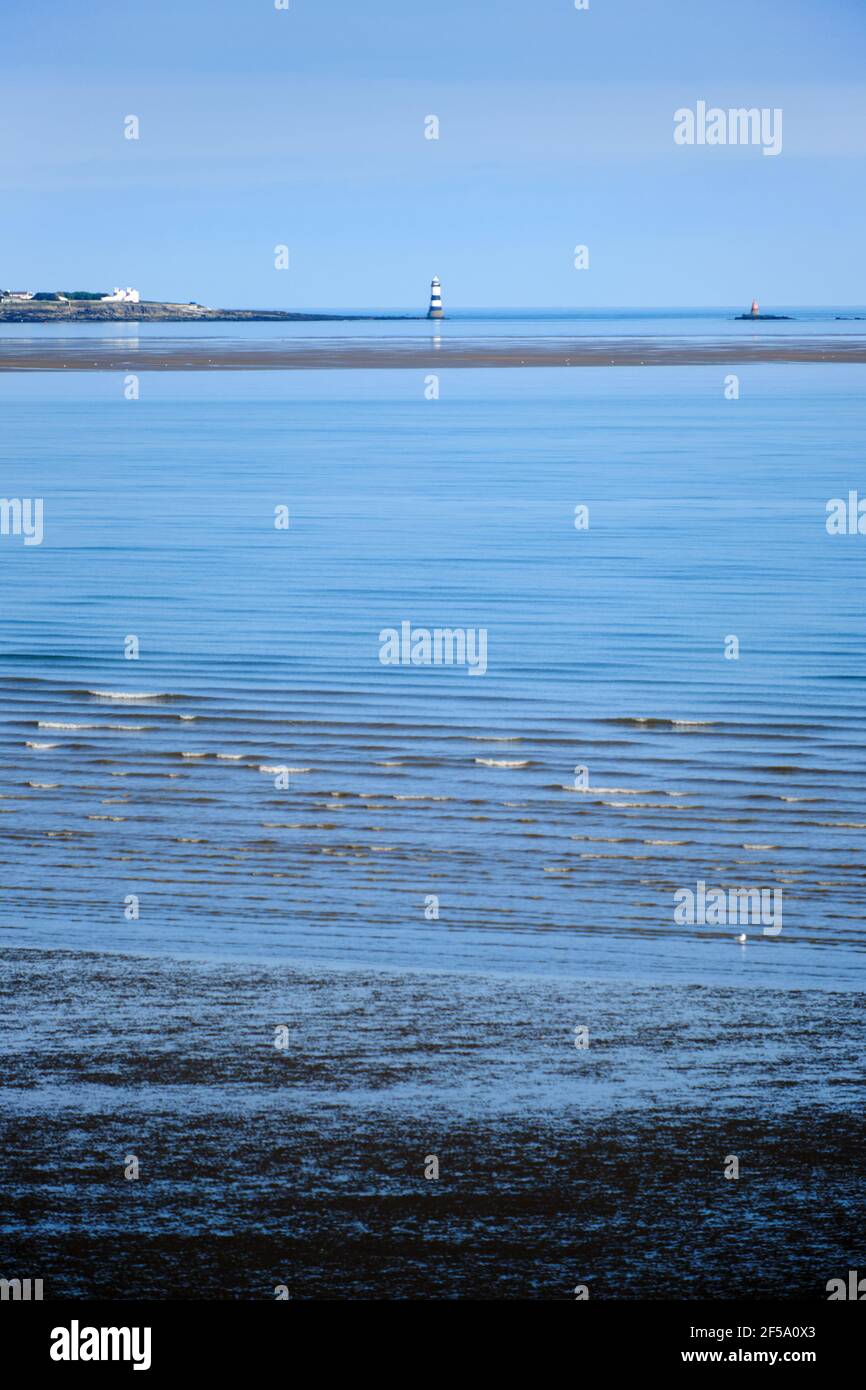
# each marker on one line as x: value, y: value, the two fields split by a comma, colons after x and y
x: 155, y: 354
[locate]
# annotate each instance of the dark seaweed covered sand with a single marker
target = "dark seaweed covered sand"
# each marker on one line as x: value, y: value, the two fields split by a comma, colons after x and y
x: 305, y: 1166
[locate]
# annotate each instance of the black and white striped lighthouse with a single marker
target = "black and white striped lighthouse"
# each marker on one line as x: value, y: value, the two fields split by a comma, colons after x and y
x: 435, y: 310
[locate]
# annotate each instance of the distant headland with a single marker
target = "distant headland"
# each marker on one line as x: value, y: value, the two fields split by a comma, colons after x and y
x: 87, y: 306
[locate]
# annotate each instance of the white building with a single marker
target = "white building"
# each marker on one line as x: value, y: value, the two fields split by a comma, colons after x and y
x: 18, y: 294
x: 118, y: 296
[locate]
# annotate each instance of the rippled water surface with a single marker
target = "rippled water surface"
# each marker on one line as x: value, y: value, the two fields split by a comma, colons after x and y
x: 259, y: 649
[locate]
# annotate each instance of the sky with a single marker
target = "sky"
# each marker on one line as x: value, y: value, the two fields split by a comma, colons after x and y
x: 305, y: 128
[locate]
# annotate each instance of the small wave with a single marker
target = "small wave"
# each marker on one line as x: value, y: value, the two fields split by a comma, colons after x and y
x: 748, y: 845
x: 606, y: 839
x: 502, y: 762
x: 29, y: 744
x: 609, y: 791
x: 405, y: 796
x: 187, y: 717
x: 493, y: 738
x: 647, y: 722
x: 128, y: 694
x: 667, y: 842
x: 54, y: 724
x: 106, y: 817
x: 639, y: 805
x: 193, y: 755
x: 123, y: 728
x: 44, y: 786
x: 267, y: 767
x: 230, y: 757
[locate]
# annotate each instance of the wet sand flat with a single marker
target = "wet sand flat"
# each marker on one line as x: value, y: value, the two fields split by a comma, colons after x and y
x: 304, y: 1165
x: 168, y: 355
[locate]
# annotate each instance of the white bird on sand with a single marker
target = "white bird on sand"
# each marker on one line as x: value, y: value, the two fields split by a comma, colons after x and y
x: 742, y: 938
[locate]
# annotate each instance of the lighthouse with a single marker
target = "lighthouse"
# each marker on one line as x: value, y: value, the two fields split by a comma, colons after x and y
x: 754, y: 308
x: 435, y: 310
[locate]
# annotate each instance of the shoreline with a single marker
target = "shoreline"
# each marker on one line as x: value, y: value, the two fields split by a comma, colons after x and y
x: 162, y: 355
x: 305, y: 1164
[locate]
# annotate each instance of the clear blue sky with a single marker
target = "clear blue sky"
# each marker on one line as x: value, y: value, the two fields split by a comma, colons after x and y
x: 306, y: 128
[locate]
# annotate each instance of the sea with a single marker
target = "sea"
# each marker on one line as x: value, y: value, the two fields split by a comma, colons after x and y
x: 285, y: 922
x: 171, y: 645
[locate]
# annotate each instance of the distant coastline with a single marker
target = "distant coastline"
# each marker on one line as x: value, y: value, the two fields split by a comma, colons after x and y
x: 152, y: 311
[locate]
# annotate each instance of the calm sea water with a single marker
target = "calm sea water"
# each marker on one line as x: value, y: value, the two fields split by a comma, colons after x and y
x: 259, y: 648
x: 697, y: 324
